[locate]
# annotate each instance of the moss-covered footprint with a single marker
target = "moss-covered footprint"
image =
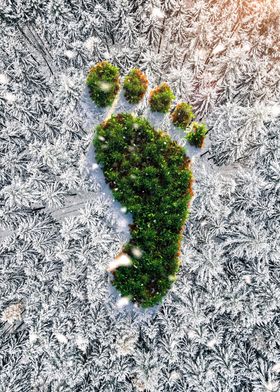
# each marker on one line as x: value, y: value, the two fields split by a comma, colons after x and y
x: 150, y: 175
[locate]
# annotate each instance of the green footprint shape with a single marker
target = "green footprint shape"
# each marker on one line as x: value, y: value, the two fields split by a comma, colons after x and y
x: 150, y: 175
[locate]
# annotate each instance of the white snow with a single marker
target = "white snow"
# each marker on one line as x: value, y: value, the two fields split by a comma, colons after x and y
x: 4, y: 79
x: 10, y: 97
x: 61, y: 338
x: 157, y: 13
x: 33, y: 337
x: 12, y: 313
x: 123, y: 301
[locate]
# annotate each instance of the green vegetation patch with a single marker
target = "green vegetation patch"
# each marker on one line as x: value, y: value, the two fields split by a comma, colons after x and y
x: 182, y: 115
x: 150, y: 175
x: 103, y: 81
x: 161, y: 98
x: 197, y: 134
x: 135, y: 86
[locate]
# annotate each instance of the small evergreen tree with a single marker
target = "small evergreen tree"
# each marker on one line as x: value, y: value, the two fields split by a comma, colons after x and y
x: 182, y: 115
x: 104, y: 83
x: 197, y: 134
x: 135, y: 86
x: 161, y: 98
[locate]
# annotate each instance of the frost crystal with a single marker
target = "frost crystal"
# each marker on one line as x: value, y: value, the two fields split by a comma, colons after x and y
x: 125, y: 343
x: 70, y: 54
x: 157, y: 13
x: 33, y: 337
x: 12, y: 313
x: 272, y: 386
x: 4, y: 79
x: 211, y: 343
x: 276, y: 368
x: 10, y: 97
x: 218, y: 329
x: 61, y: 338
x: 82, y: 343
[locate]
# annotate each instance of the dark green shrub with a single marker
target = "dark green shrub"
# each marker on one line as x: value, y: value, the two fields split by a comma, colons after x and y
x: 182, y: 115
x: 103, y: 81
x: 150, y: 175
x: 135, y: 86
x: 197, y: 134
x: 161, y: 98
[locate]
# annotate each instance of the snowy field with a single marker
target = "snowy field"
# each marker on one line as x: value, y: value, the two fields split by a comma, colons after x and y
x: 62, y: 326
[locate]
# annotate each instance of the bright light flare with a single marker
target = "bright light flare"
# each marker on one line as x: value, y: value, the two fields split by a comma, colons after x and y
x: 157, y: 13
x: 122, y: 260
x: 123, y: 301
x: 137, y: 252
x: 105, y: 86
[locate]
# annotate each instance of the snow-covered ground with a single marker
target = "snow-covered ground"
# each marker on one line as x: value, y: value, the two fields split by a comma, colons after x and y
x: 61, y: 327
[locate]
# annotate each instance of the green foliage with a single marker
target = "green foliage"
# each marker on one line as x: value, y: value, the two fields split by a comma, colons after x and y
x: 182, y: 115
x: 149, y: 174
x: 161, y: 98
x: 135, y: 86
x: 103, y: 81
x: 197, y: 134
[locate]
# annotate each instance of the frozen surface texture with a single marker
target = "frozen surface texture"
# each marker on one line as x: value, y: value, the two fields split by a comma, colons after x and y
x: 61, y: 328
